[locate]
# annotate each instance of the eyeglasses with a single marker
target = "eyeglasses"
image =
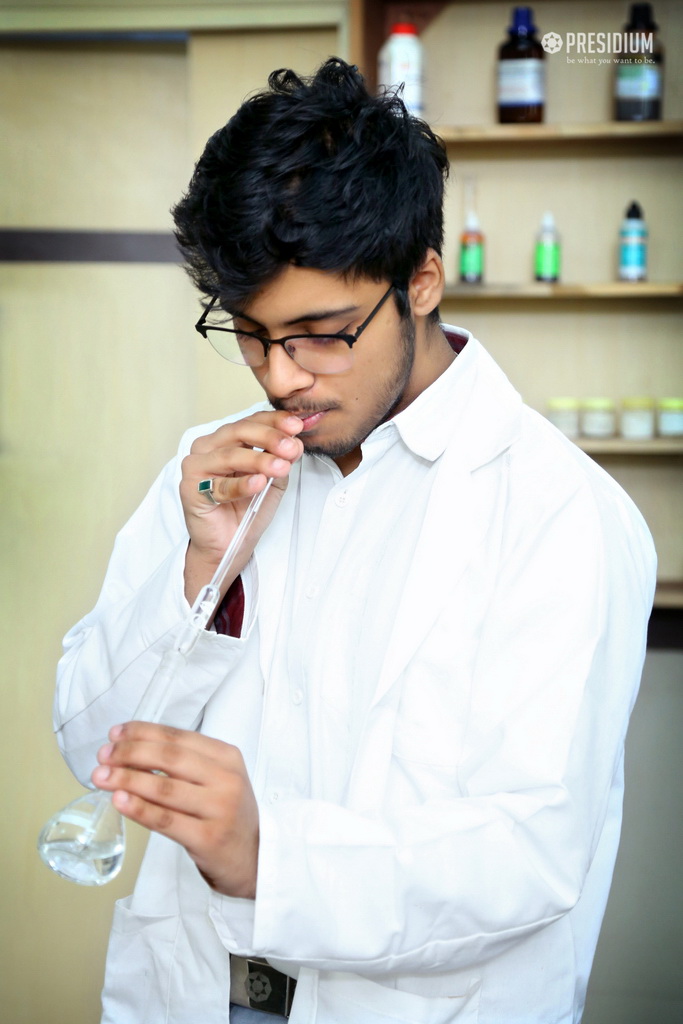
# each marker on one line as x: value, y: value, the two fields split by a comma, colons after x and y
x: 317, y: 353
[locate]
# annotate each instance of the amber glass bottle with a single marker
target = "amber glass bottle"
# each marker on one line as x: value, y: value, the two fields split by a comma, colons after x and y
x: 639, y: 69
x: 521, y: 72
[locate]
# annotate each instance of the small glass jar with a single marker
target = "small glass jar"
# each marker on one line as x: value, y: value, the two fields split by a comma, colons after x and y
x: 564, y: 414
x: 598, y: 417
x: 638, y: 418
x: 670, y: 417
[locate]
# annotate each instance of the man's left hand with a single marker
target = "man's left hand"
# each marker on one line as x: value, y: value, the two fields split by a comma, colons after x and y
x: 203, y: 800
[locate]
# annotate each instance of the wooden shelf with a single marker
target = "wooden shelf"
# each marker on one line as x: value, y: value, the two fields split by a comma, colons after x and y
x: 669, y: 595
x: 619, y: 446
x: 600, y: 290
x: 591, y: 132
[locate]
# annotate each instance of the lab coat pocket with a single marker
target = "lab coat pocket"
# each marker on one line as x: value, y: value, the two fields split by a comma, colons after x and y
x: 139, y: 962
x: 348, y: 997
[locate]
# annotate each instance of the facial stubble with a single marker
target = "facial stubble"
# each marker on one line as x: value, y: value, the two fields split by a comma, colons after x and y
x: 389, y: 399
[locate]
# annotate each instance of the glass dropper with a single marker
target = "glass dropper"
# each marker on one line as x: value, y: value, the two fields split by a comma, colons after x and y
x: 85, y: 841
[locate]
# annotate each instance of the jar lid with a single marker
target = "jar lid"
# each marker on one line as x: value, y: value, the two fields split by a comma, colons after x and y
x: 597, y: 403
x: 671, y: 404
x: 563, y: 403
x: 638, y: 402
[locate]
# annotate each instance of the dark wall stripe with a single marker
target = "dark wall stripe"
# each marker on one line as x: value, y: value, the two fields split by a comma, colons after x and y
x: 666, y: 629
x: 36, y: 246
x: 115, y: 36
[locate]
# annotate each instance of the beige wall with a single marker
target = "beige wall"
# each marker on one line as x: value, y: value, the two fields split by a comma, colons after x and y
x: 93, y: 137
x: 100, y: 371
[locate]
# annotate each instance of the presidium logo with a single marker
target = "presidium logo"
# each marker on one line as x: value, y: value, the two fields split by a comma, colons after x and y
x: 551, y: 42
x: 614, y: 47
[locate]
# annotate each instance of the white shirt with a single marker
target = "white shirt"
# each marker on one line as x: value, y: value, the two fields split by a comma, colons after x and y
x: 435, y: 735
x: 348, y: 533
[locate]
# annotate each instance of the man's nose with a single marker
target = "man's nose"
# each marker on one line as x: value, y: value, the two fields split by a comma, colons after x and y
x: 281, y: 375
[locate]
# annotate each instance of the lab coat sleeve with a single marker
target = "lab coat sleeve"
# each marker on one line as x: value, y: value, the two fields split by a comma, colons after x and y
x: 447, y: 883
x: 112, y: 653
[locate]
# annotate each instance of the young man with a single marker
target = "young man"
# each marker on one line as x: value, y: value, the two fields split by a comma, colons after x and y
x: 395, y: 766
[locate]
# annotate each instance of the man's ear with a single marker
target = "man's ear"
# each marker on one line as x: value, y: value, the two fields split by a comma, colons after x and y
x: 426, y: 285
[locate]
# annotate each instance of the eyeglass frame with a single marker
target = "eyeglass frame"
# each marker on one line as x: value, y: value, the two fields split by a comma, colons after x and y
x: 350, y: 339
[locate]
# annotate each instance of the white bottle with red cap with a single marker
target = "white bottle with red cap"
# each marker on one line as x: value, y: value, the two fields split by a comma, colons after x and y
x: 400, y: 63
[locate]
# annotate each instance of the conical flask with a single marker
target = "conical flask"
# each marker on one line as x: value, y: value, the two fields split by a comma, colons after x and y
x: 85, y: 841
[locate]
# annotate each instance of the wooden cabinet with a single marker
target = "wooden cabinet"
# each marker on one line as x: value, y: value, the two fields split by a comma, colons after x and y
x: 590, y: 335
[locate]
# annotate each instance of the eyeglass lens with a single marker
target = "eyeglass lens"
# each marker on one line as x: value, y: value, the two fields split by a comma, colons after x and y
x: 319, y: 354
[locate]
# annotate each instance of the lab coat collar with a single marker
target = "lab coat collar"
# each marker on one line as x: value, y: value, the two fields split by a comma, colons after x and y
x: 426, y: 424
x: 483, y: 421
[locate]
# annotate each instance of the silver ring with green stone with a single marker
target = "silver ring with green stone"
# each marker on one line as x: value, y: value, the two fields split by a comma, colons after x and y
x: 205, y: 487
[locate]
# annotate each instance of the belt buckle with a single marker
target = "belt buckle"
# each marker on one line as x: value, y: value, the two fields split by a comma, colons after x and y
x: 259, y: 986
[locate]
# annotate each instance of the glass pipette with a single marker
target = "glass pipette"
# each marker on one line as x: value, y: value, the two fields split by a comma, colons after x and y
x: 85, y: 841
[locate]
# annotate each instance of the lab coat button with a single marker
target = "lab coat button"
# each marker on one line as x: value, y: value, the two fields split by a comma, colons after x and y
x: 312, y: 591
x: 341, y: 499
x: 297, y: 696
x: 273, y: 797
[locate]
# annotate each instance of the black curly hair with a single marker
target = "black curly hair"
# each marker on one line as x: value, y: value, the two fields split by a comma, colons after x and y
x: 314, y: 172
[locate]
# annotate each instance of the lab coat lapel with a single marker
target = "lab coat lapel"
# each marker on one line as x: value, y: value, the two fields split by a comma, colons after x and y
x: 459, y: 512
x: 440, y: 557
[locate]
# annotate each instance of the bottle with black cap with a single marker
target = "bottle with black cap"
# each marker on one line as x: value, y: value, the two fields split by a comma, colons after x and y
x: 521, y: 72
x: 633, y: 245
x: 639, y: 69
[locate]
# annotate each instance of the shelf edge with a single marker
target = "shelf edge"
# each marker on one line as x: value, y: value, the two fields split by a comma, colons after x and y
x: 589, y: 131
x: 604, y: 290
x: 617, y: 446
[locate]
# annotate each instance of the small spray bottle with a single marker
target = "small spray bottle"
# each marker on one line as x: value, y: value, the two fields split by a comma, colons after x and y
x: 633, y: 245
x: 547, y: 254
x: 472, y: 251
x: 471, y: 240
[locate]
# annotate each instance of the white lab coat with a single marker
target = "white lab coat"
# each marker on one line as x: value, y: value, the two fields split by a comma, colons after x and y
x: 464, y: 875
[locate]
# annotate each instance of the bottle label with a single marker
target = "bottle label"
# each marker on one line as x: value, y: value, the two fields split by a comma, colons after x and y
x: 598, y: 423
x: 638, y: 82
x: 521, y: 82
x: 471, y: 261
x: 632, y: 258
x: 638, y: 424
x: 547, y: 262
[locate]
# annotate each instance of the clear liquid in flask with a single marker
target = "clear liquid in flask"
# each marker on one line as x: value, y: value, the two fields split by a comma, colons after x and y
x: 85, y: 842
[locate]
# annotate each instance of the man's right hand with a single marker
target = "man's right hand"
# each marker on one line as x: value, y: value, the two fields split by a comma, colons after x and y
x: 230, y: 457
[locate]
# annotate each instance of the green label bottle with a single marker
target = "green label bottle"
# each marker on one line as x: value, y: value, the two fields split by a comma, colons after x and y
x: 547, y: 256
x: 472, y: 251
